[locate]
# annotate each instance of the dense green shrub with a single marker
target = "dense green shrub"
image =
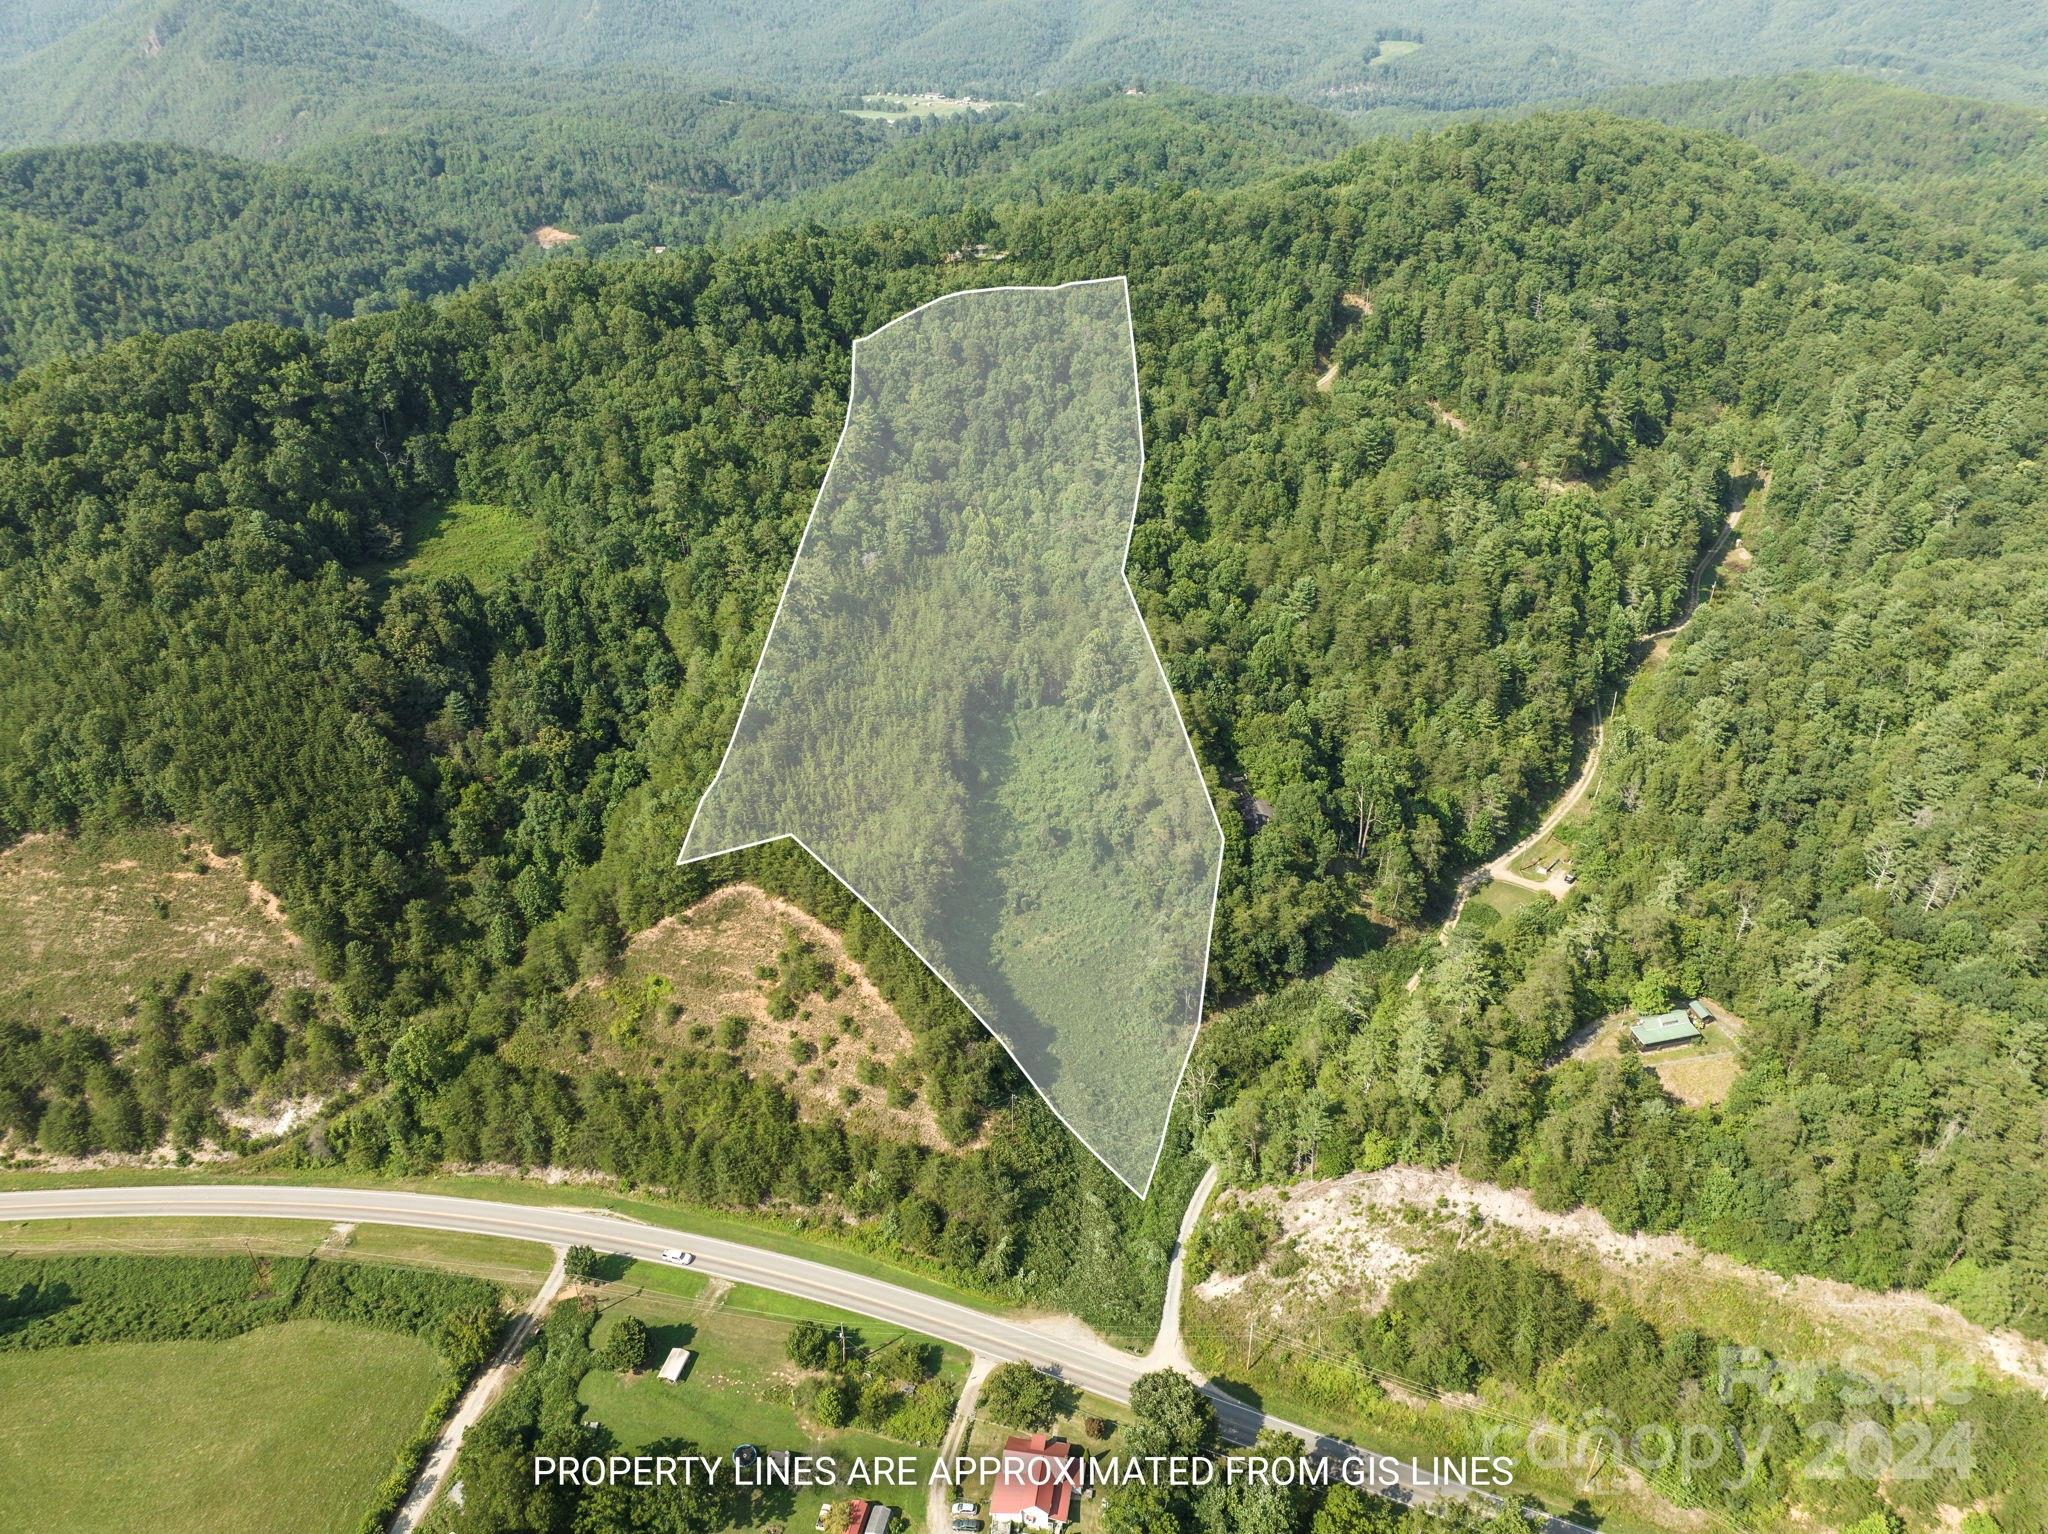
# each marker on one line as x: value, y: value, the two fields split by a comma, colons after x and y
x: 1020, y: 1396
x: 625, y: 1349
x: 72, y: 1301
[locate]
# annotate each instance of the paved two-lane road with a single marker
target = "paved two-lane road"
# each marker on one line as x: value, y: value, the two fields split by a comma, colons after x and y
x: 1077, y: 1356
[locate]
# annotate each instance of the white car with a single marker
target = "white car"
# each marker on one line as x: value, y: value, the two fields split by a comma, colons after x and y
x: 966, y: 1509
x: 680, y: 1258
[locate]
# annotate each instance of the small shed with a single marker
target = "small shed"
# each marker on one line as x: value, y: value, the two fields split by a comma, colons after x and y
x: 1699, y: 1011
x: 1659, y: 1029
x: 676, y: 1365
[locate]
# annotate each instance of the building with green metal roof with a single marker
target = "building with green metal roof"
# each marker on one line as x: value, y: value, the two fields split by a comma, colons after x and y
x: 1659, y: 1029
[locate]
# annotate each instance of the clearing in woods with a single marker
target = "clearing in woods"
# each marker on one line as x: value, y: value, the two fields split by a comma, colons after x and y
x: 1698, y: 1074
x: 86, y: 923
x: 892, y: 108
x: 291, y: 1426
x: 1345, y: 1241
x: 739, y: 953
x: 476, y: 539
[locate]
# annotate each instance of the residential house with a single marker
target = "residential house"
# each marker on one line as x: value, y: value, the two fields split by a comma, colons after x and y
x: 1664, y: 1028
x: 1037, y: 1486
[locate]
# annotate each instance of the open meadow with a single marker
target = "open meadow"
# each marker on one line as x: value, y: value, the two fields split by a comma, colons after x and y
x: 285, y: 1427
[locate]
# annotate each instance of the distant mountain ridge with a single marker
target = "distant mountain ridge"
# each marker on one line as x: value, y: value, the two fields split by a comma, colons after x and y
x: 1331, y: 51
x: 26, y: 25
x: 269, y: 77
x: 255, y: 77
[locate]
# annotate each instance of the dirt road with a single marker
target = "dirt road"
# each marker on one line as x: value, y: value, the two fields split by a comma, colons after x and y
x: 1555, y: 883
x: 475, y: 1402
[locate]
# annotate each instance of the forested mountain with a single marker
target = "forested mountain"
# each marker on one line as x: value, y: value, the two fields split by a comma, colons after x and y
x: 1438, y: 431
x: 262, y: 76
x: 62, y: 292
x: 104, y: 240
x: 1095, y: 140
x: 1469, y: 56
x: 412, y: 161
x: 26, y: 25
x: 99, y: 241
x: 244, y: 76
x: 1971, y: 164
x: 1383, y: 604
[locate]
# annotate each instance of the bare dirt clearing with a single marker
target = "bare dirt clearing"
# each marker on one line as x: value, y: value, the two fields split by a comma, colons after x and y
x: 86, y: 924
x: 684, y: 978
x: 1353, y: 1236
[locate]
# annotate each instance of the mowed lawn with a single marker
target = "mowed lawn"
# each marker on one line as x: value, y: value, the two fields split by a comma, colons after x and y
x: 286, y: 1427
x: 519, y: 1265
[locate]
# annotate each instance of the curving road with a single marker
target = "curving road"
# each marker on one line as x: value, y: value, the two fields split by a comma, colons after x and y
x: 1169, y: 1351
x: 1058, y: 1346
x: 1502, y: 867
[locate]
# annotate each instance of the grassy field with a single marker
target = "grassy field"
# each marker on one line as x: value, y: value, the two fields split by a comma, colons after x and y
x: 161, y: 1238
x: 472, y: 538
x: 518, y: 1265
x: 288, y: 1427
x: 741, y: 1387
x: 1501, y: 900
x: 87, y: 922
x: 1392, y: 48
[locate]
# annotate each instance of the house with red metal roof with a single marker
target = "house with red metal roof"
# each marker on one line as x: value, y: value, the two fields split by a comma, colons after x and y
x: 1037, y: 1486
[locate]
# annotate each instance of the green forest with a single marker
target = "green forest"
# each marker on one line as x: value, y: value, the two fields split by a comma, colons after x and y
x: 102, y: 240
x: 1973, y: 165
x: 1376, y: 624
x: 1485, y: 56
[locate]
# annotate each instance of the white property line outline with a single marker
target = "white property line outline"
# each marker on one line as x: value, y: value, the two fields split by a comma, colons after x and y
x: 1123, y: 574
